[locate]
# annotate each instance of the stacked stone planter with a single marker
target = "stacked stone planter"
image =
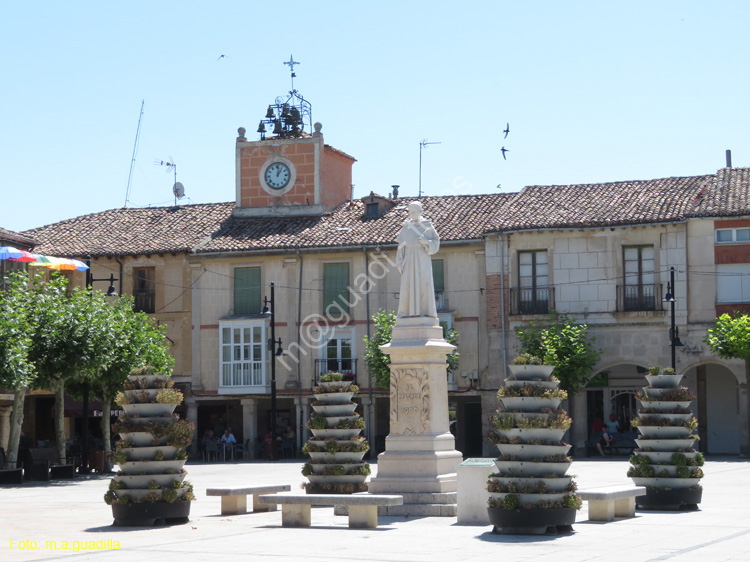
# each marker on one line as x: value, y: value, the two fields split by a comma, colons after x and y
x: 531, y: 493
x: 336, y: 448
x: 150, y: 486
x: 665, y: 461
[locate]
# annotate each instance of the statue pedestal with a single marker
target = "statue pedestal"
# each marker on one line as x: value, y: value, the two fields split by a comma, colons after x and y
x: 420, y: 460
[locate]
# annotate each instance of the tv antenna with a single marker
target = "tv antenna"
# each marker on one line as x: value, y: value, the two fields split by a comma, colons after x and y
x: 135, y: 150
x: 177, y: 189
x: 422, y: 144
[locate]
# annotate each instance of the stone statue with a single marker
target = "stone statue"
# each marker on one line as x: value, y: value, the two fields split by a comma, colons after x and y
x: 417, y: 241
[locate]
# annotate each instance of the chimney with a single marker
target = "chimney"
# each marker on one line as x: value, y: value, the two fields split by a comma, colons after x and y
x: 729, y: 158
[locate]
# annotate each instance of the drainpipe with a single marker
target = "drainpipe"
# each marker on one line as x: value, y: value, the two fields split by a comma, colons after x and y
x: 121, y: 271
x: 299, y: 363
x: 502, y: 307
x: 367, y: 324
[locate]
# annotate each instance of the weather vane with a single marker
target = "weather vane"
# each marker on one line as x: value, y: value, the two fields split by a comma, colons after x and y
x: 288, y: 117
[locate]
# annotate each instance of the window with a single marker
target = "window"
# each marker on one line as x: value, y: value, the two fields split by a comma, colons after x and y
x: 727, y: 235
x: 533, y: 282
x: 639, y: 289
x: 243, y: 354
x: 335, y: 289
x: 733, y: 283
x: 438, y: 280
x: 339, y: 353
x: 144, y: 289
x: 247, y: 289
x: 372, y: 210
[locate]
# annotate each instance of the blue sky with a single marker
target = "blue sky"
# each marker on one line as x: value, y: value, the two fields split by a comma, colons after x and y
x: 593, y: 91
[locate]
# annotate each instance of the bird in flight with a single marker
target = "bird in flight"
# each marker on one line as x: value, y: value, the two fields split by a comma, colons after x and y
x: 504, y: 150
x: 222, y: 56
x: 507, y: 130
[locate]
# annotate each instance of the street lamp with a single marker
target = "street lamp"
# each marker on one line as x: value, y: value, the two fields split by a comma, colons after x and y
x: 674, y: 331
x: 111, y: 292
x: 272, y: 342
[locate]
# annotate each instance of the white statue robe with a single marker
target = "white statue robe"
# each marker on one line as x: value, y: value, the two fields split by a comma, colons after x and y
x: 417, y: 293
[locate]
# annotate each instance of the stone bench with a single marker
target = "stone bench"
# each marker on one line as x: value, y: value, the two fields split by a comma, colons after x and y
x: 362, y: 507
x: 611, y: 501
x: 234, y: 500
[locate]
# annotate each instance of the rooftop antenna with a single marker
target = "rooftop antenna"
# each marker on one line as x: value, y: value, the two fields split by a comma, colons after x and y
x: 422, y: 144
x: 135, y: 150
x: 177, y: 189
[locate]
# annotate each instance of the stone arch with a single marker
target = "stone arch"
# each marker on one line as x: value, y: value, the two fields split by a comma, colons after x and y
x: 719, y: 406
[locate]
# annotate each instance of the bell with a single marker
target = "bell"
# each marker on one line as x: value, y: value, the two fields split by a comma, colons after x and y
x: 261, y: 127
x: 285, y: 111
x: 269, y: 113
x: 294, y: 112
x: 277, y: 128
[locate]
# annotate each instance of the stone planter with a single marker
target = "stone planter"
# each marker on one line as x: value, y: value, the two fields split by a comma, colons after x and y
x: 531, y: 521
x: 664, y: 381
x: 146, y: 490
x: 665, y: 461
x: 523, y: 479
x: 335, y: 465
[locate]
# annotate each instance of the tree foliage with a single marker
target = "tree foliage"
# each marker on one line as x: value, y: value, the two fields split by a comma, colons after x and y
x: 58, y: 339
x: 564, y: 344
x: 377, y: 361
x: 730, y: 337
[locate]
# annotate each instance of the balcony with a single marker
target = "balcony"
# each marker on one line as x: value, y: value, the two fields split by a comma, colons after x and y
x: 639, y: 297
x: 532, y: 301
x: 346, y: 366
x: 145, y: 300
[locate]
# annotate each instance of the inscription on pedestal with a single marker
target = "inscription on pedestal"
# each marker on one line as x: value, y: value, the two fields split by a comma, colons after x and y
x: 410, y: 401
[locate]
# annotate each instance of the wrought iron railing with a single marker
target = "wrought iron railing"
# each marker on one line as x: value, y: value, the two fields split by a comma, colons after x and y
x: 145, y: 301
x: 532, y: 301
x: 348, y: 367
x: 646, y: 296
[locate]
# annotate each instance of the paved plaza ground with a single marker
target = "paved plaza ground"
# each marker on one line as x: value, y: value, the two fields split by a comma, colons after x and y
x: 74, y: 511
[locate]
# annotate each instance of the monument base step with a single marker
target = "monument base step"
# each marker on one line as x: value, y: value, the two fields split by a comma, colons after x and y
x: 423, y: 504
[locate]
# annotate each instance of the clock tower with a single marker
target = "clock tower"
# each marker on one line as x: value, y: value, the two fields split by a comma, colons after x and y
x: 292, y: 172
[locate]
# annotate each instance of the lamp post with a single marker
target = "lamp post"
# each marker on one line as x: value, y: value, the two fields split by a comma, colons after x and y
x: 674, y: 331
x: 111, y: 292
x: 272, y: 342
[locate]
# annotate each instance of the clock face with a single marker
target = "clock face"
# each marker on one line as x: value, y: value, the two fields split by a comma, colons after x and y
x: 277, y: 175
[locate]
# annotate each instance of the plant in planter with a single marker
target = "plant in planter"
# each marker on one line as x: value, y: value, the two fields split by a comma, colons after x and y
x: 665, y: 462
x: 531, y: 493
x: 336, y: 448
x: 150, y: 485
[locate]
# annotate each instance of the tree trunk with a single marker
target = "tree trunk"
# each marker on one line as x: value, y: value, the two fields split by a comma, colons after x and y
x: 60, y: 421
x: 106, y: 431
x: 16, y: 421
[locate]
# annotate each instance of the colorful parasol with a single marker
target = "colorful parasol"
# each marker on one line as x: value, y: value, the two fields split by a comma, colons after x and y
x: 14, y: 254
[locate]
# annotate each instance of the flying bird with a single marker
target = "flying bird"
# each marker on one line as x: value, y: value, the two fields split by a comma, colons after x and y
x: 507, y: 130
x: 504, y: 150
x: 222, y: 56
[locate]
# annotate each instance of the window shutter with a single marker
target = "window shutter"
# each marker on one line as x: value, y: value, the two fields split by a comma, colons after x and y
x: 247, y: 290
x: 438, y: 278
x: 335, y: 284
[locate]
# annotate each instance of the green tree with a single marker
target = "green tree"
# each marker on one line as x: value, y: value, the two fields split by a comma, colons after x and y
x: 120, y: 340
x: 730, y: 339
x: 377, y: 361
x: 17, y: 371
x: 564, y: 344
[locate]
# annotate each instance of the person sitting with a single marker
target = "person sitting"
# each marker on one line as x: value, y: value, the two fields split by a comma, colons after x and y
x: 228, y: 437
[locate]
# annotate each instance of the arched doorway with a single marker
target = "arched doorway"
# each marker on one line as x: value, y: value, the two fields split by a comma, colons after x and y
x: 717, y: 409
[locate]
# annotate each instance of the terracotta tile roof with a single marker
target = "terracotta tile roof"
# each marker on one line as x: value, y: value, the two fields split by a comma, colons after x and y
x: 211, y: 228
x: 131, y: 231
x: 462, y: 217
x: 727, y: 195
x: 603, y: 204
x: 11, y: 237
